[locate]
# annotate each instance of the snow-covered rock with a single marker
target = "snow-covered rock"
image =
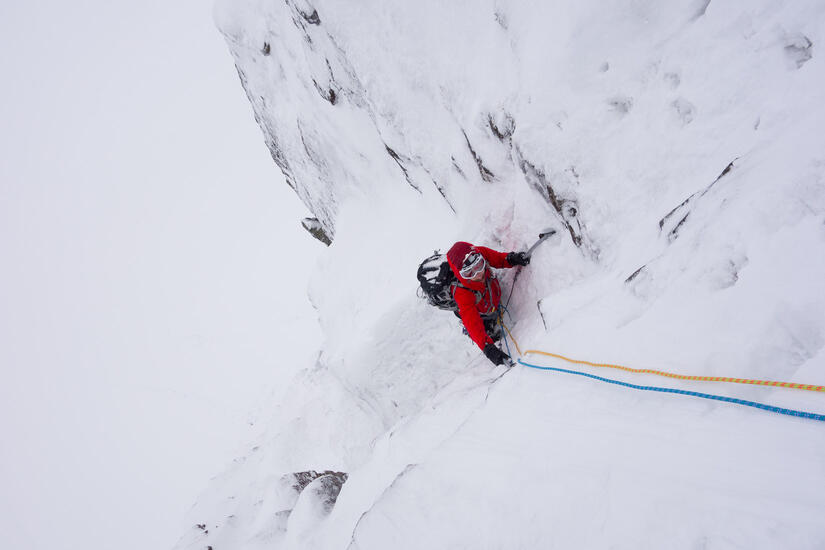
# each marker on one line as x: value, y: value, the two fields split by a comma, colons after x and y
x: 316, y: 229
x: 675, y: 147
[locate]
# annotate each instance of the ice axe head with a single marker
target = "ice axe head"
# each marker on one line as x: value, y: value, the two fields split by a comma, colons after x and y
x: 542, y: 236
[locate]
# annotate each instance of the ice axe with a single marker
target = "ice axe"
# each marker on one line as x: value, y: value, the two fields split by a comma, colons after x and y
x: 543, y: 236
x: 549, y: 232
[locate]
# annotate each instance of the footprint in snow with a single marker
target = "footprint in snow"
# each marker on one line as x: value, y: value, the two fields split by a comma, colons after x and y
x: 620, y: 104
x: 798, y: 49
x: 685, y: 110
x: 672, y: 80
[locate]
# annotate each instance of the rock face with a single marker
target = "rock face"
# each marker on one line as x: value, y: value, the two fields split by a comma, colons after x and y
x: 342, y: 123
x: 450, y: 101
x: 296, y: 76
x: 295, y: 503
x: 673, y: 146
x: 325, y: 490
x: 316, y: 229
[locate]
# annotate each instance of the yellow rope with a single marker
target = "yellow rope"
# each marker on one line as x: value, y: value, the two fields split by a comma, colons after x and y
x: 808, y: 387
x: 511, y: 336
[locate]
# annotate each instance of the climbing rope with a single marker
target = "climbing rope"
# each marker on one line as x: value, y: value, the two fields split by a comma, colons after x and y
x: 501, y: 311
x: 763, y: 406
x: 518, y: 349
x: 773, y: 383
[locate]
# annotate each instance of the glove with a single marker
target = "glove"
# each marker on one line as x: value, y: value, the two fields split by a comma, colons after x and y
x: 518, y: 258
x: 495, y: 355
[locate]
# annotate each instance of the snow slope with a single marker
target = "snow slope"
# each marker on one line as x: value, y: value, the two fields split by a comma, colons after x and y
x: 675, y: 148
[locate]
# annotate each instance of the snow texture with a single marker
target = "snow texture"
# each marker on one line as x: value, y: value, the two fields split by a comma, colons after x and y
x: 673, y: 145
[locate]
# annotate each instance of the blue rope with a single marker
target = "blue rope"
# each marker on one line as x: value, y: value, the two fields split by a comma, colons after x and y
x: 763, y: 406
x: 504, y: 309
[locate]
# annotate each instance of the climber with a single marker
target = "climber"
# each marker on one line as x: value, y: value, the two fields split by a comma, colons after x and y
x: 478, y: 293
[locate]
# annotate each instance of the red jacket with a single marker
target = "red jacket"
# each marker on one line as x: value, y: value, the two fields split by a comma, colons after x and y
x: 478, y: 297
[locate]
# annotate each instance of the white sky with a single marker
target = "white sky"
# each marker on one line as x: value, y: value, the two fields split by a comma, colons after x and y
x: 151, y: 260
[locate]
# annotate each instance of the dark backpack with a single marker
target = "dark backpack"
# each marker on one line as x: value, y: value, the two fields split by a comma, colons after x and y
x: 437, y: 281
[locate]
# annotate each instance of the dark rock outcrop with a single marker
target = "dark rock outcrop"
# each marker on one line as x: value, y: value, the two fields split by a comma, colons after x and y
x: 313, y: 225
